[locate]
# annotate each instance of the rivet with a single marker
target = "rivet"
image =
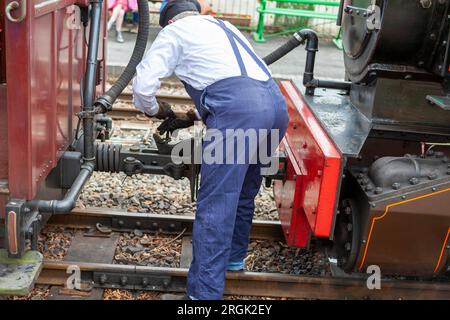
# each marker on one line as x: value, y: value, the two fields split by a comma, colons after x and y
x: 396, y: 186
x: 135, y: 148
x: 378, y: 190
x: 166, y: 283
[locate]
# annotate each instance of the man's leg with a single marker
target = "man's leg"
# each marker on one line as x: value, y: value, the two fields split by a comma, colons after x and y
x: 244, y: 217
x: 252, y: 185
x: 217, y: 203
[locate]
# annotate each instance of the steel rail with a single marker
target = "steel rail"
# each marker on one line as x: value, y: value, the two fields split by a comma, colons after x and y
x: 133, y: 277
x: 124, y: 112
x: 128, y: 221
x: 245, y: 283
x: 174, y: 99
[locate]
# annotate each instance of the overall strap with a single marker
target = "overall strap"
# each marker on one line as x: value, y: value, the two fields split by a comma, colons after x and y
x: 235, y: 37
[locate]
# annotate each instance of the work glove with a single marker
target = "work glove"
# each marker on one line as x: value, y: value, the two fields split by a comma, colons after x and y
x: 172, y: 124
x: 165, y: 111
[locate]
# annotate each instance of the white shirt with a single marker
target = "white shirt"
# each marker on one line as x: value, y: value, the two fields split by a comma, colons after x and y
x: 197, y: 52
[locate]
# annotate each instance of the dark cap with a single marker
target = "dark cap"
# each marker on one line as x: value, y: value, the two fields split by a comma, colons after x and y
x: 174, y: 7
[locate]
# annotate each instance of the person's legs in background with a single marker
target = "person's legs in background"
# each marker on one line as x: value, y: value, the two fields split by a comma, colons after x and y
x: 119, y: 23
x: 114, y: 14
x: 117, y: 16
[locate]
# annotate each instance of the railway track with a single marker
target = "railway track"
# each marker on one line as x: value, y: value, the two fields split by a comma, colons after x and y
x: 170, y: 98
x: 243, y: 284
x: 120, y: 220
x: 101, y: 275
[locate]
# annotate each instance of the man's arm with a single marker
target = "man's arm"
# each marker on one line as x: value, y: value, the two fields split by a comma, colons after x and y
x: 159, y: 62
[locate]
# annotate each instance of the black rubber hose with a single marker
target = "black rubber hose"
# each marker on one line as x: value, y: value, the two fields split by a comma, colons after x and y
x: 106, y: 101
x: 311, y: 83
x: 293, y: 42
x: 89, y: 80
x: 340, y: 13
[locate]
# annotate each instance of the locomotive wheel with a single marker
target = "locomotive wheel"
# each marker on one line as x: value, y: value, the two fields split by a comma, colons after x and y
x: 347, y: 235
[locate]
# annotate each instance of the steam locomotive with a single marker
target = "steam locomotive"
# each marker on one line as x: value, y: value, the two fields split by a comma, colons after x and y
x: 368, y: 159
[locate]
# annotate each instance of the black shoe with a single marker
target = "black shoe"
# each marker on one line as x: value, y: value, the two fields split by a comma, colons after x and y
x: 169, y: 296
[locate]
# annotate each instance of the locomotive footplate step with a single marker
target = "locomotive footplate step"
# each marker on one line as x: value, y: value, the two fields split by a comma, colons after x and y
x: 17, y: 276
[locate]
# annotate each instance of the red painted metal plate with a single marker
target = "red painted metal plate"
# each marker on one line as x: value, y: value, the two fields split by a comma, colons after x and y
x: 288, y: 197
x: 317, y: 158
